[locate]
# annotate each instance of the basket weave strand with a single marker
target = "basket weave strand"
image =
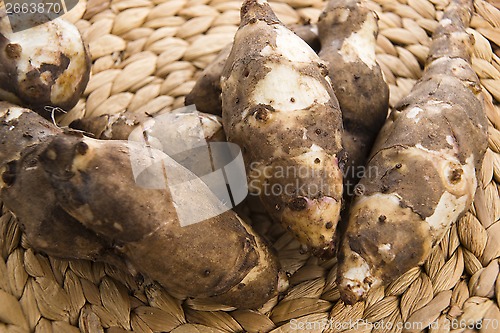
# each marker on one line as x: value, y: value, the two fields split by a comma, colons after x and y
x: 146, y: 56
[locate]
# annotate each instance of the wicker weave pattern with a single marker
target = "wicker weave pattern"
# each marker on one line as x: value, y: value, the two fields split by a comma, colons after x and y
x: 147, y: 54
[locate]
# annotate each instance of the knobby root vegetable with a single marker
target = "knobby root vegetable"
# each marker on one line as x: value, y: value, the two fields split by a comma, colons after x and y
x: 348, y: 32
x: 44, y: 67
x: 120, y: 126
x: 92, y: 188
x: 25, y: 187
x: 426, y: 156
x: 206, y: 94
x: 219, y: 258
x: 279, y: 107
x: 176, y: 132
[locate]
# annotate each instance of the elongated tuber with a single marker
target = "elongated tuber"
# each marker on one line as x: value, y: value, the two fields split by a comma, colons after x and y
x: 44, y: 67
x: 93, y: 185
x: 426, y: 156
x: 279, y: 107
x: 348, y: 32
x: 120, y: 126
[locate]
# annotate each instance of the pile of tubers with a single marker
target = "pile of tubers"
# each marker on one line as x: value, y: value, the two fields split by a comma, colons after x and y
x: 290, y: 110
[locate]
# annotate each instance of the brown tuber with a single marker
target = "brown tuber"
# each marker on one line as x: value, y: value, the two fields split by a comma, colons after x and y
x: 121, y: 126
x: 426, y: 156
x: 92, y: 207
x: 279, y: 107
x: 44, y: 67
x: 348, y: 32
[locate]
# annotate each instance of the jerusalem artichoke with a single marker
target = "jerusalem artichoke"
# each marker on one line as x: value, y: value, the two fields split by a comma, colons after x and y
x: 44, y: 67
x: 426, y: 156
x: 279, y: 107
x: 348, y: 31
x: 92, y: 188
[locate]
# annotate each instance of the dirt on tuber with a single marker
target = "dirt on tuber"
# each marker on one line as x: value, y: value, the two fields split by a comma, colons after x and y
x: 93, y: 208
x: 45, y: 67
x: 348, y: 32
x: 279, y: 107
x: 427, y: 157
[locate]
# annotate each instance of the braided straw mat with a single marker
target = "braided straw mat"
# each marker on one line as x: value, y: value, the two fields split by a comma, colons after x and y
x: 147, y: 54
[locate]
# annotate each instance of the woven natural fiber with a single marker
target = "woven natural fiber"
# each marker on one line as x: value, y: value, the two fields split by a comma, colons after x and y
x: 147, y: 55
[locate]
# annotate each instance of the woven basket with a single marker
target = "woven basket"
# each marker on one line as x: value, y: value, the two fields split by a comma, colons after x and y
x: 147, y: 54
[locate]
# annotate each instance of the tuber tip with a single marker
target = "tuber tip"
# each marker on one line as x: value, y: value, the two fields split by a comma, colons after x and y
x: 355, y: 279
x: 353, y: 291
x: 257, y: 10
x: 314, y: 221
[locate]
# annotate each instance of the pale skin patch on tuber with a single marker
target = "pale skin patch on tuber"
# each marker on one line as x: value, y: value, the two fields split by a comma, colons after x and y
x: 385, y: 251
x: 82, y: 160
x: 12, y: 114
x: 449, y: 208
x: 413, y: 113
x: 297, y: 92
x: 357, y: 277
x: 460, y: 182
x: 289, y: 47
x: 361, y: 44
x: 207, y: 90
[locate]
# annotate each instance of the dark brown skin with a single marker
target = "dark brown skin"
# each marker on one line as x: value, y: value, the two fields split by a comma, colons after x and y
x: 426, y: 159
x: 206, y: 92
x: 79, y: 188
x: 47, y: 226
x: 205, y: 259
x: 360, y: 88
